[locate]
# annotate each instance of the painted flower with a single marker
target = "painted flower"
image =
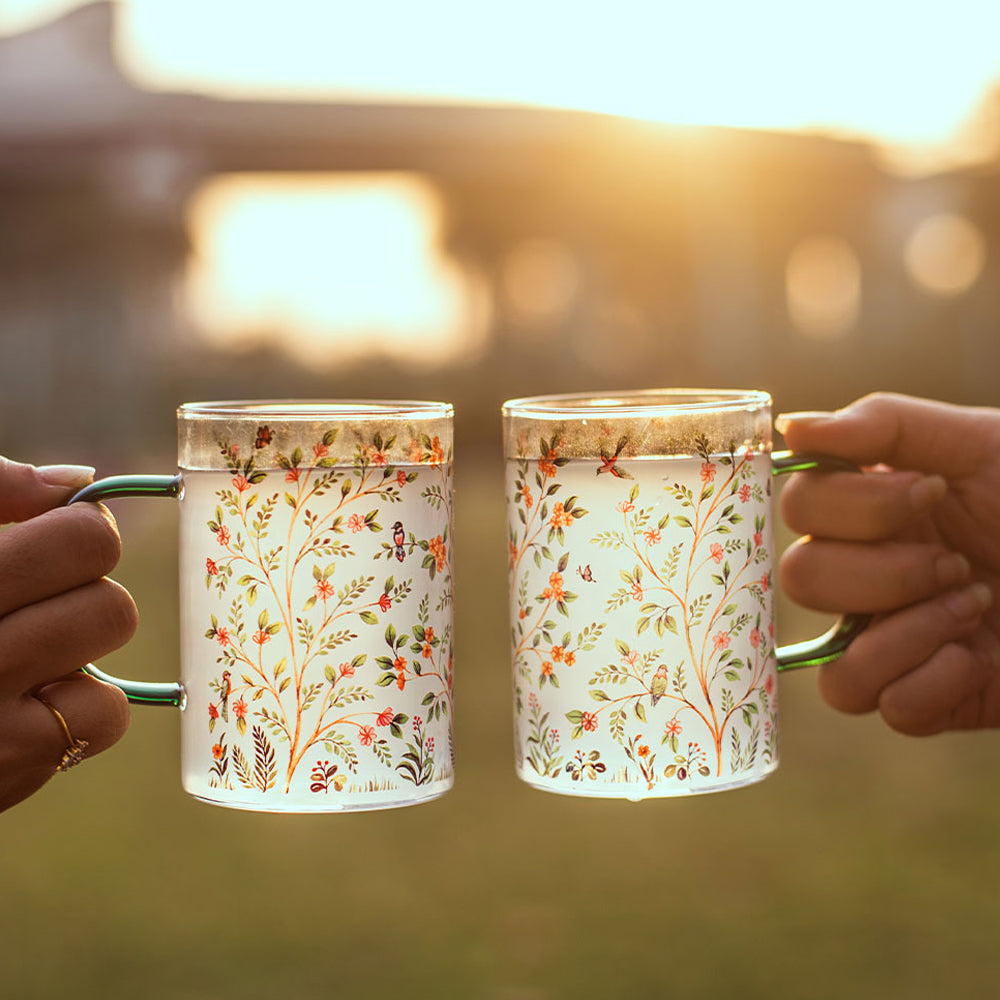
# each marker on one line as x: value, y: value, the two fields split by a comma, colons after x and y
x: 673, y: 728
x: 356, y: 523
x: 643, y: 751
x: 427, y: 652
x: 399, y: 663
x: 346, y: 669
x: 218, y: 751
x: 241, y: 482
x: 561, y: 518
x: 222, y: 634
x: 430, y: 744
x: 240, y: 708
x: 222, y: 536
x: 547, y: 463
x: 625, y: 507
x: 745, y: 492
x: 557, y: 653
x: 547, y: 668
x: 653, y: 536
x: 324, y: 589
x: 213, y: 712
x: 765, y: 581
x: 554, y: 735
x: 385, y: 717
x: 320, y: 450
x: 437, y: 452
x: 758, y: 539
x: 416, y: 453
x: 376, y: 457
x: 755, y: 638
x: 721, y: 640
x: 512, y: 553
x: 401, y: 478
x: 261, y: 636
x: 366, y: 735
x: 401, y: 680
x: 439, y: 550
x: 570, y: 658
x: 211, y: 567
x: 384, y: 602
x: 429, y: 633
x: 636, y: 591
x: 589, y: 721
x: 292, y: 475
x: 708, y: 472
x: 769, y: 684
x: 631, y: 657
x: 522, y: 613
x: 555, y: 588
x: 716, y: 552
x: 528, y: 499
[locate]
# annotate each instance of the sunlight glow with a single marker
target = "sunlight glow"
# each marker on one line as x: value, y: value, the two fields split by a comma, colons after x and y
x: 945, y: 254
x: 823, y: 287
x: 337, y: 266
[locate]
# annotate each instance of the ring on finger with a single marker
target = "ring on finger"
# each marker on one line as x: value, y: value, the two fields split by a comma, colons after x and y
x: 74, y: 752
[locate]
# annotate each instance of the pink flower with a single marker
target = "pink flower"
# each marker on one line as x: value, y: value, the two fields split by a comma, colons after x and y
x: 720, y: 640
x: 708, y: 472
x: 769, y: 684
x: 384, y: 602
x: 716, y: 552
x: 240, y: 708
x: 401, y: 478
x: 745, y: 492
x: 377, y: 457
x: 673, y: 728
x: 213, y: 712
x: 765, y: 581
x: 324, y: 589
x: 211, y: 567
x: 355, y: 523
x: 366, y: 735
x: 758, y: 539
x: 589, y: 721
x: 385, y: 717
x: 631, y: 657
x: 222, y: 536
x: 755, y: 638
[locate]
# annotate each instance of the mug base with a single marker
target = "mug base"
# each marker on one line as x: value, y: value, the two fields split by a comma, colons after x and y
x: 665, y: 789
x: 319, y: 808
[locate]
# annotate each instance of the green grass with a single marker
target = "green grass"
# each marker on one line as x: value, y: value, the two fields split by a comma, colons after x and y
x: 866, y: 867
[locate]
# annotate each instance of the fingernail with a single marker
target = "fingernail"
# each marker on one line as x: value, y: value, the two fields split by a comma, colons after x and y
x: 969, y: 602
x: 66, y: 475
x: 951, y: 568
x: 782, y: 420
x: 926, y: 492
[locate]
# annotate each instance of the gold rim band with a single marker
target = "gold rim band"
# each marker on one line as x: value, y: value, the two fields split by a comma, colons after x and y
x: 74, y: 752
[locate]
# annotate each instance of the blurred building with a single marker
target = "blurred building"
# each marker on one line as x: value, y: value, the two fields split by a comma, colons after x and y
x: 614, y: 252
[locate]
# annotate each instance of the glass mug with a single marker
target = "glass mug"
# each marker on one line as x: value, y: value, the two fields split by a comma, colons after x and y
x: 641, y: 591
x: 316, y: 602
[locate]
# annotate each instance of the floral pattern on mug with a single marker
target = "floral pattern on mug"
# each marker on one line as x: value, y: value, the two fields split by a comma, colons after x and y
x: 656, y: 670
x: 330, y: 619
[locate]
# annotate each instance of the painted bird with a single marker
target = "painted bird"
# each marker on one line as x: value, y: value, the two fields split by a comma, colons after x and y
x: 608, y: 461
x: 658, y: 686
x: 398, y: 537
x: 225, y: 687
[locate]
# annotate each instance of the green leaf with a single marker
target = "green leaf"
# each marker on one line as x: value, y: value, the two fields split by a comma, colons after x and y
x: 369, y: 617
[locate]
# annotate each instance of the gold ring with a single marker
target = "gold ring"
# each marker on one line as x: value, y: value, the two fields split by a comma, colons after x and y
x: 74, y: 753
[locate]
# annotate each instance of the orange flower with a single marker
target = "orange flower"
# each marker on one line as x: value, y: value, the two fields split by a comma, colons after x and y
x: 721, y: 640
x: 324, y: 589
x: 401, y: 680
x: 521, y: 613
x: 211, y: 567
x: 429, y: 633
x: 653, y: 536
x: 241, y: 482
x: 399, y: 663
x: 644, y: 751
x: 557, y: 653
x: 222, y: 634
x: 366, y: 735
x: 347, y: 670
x: 716, y: 552
x: 292, y: 475
x: 512, y: 553
x: 222, y: 535
x: 439, y: 550
x: 427, y: 652
x: 526, y: 493
x: 570, y: 658
x: 547, y: 463
x: 385, y: 717
x: 561, y: 518
x: 261, y: 636
x: 437, y: 452
x: 320, y: 450
x: 218, y: 751
x: 416, y: 453
x: 708, y: 472
x: 547, y: 668
x: 636, y: 591
x: 589, y: 721
x: 240, y: 708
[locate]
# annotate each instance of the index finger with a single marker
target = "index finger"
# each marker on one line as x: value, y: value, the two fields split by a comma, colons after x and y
x: 900, y: 431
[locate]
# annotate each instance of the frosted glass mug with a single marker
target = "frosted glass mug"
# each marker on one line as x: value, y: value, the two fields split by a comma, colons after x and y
x: 641, y: 576
x: 316, y: 602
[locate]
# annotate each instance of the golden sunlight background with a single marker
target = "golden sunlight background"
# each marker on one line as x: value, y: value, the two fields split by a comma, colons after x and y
x: 203, y: 200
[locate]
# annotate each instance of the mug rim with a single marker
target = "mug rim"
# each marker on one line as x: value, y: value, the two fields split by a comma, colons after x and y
x: 313, y: 409
x: 635, y: 402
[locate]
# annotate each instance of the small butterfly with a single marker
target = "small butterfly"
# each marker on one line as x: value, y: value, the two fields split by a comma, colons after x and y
x: 586, y: 574
x: 264, y: 436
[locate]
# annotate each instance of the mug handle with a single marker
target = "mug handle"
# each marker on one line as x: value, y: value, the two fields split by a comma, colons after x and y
x: 832, y: 643
x: 138, y: 692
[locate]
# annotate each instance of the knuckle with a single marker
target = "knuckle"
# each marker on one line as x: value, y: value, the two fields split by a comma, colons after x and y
x: 115, y: 614
x: 841, y: 691
x: 113, y: 712
x: 94, y: 536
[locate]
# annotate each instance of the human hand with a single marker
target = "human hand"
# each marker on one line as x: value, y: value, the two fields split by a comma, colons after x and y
x: 57, y: 612
x: 914, y: 540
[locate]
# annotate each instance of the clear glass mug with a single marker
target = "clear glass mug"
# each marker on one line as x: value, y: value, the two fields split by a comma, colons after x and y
x: 316, y: 602
x: 641, y: 591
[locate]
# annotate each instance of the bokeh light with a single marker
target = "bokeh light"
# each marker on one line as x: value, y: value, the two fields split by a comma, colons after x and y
x: 823, y: 287
x: 945, y: 254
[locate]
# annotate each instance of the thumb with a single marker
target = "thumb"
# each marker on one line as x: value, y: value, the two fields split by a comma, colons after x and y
x: 26, y: 491
x: 900, y: 431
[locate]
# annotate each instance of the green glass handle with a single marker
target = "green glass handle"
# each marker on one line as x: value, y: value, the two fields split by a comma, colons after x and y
x: 138, y: 692
x: 832, y: 643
